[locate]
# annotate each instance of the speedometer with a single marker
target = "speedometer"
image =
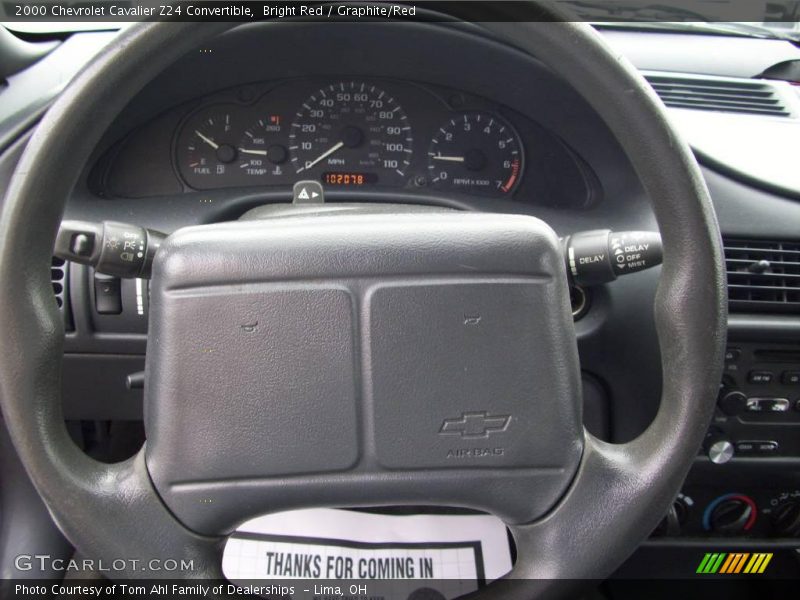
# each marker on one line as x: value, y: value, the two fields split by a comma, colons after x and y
x: 351, y: 133
x: 475, y: 152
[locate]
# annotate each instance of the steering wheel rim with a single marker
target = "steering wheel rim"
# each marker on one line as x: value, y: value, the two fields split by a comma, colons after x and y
x: 632, y: 483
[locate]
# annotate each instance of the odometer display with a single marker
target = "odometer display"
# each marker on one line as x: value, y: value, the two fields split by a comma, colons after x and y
x: 349, y: 179
x: 475, y: 152
x: 351, y: 127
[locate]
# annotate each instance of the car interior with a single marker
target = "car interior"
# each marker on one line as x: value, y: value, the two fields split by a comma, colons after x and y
x: 462, y: 264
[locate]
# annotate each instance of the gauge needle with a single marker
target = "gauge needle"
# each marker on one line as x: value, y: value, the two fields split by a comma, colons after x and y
x: 325, y: 154
x: 207, y: 140
x: 448, y: 158
x: 258, y: 152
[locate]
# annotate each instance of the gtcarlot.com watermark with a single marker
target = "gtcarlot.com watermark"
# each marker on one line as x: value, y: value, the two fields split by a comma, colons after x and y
x: 45, y: 562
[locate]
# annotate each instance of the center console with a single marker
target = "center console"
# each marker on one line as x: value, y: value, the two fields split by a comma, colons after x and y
x: 745, y: 485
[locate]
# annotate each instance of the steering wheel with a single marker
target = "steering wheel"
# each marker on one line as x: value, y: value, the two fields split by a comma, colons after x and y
x: 365, y: 313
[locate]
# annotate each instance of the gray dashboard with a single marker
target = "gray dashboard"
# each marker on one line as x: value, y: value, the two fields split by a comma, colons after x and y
x: 349, y: 133
x: 142, y: 153
x: 756, y: 148
x: 135, y: 175
x: 573, y: 176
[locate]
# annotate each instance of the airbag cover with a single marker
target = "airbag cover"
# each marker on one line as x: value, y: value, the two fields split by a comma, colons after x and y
x: 358, y: 360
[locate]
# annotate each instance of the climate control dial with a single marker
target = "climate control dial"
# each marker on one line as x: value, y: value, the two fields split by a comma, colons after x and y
x: 730, y: 514
x: 786, y: 519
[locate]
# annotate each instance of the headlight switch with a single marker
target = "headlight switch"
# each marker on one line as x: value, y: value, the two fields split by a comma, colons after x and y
x: 112, y: 248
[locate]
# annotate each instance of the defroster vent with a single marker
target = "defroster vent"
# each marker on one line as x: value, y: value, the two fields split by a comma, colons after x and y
x: 734, y: 96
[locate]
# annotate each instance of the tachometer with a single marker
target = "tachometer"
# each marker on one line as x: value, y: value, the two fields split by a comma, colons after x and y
x: 351, y: 133
x: 476, y: 152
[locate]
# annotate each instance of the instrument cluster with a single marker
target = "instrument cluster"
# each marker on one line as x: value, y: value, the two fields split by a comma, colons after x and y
x: 351, y: 133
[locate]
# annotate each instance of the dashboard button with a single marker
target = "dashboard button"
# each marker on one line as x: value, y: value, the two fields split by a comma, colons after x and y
x: 791, y: 377
x: 308, y: 192
x: 766, y: 447
x: 107, y: 295
x: 760, y: 377
x: 732, y: 354
x: 751, y: 447
x: 767, y: 405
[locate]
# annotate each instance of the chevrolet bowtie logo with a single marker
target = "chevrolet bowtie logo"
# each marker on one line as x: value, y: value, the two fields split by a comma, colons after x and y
x: 475, y: 425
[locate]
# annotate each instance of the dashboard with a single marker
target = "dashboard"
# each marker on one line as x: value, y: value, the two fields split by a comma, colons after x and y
x: 218, y: 135
x: 350, y: 133
x: 228, y: 129
x: 346, y: 133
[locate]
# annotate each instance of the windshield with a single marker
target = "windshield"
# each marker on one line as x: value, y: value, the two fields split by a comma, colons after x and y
x: 773, y: 30
x: 52, y: 27
x: 776, y: 19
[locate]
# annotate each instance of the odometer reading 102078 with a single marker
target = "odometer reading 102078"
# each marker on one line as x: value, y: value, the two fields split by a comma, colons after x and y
x: 351, y: 127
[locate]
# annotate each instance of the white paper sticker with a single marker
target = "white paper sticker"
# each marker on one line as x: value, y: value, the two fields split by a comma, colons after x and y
x: 364, y: 555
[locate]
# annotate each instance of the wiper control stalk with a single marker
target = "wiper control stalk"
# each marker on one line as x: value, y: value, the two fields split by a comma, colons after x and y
x: 600, y: 256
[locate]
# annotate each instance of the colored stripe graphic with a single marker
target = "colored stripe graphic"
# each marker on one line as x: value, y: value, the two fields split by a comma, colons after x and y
x: 703, y: 563
x: 711, y: 562
x: 729, y: 564
x: 755, y: 562
x: 758, y: 563
x: 737, y: 563
x: 724, y: 563
x: 741, y: 563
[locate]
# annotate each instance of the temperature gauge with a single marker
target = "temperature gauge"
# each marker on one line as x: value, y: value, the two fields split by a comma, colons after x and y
x: 259, y: 156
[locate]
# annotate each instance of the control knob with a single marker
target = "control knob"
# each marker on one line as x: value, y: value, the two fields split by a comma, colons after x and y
x: 720, y: 451
x: 786, y: 519
x: 730, y: 514
x: 732, y: 402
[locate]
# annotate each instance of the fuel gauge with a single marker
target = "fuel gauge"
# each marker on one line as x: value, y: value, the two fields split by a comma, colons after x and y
x: 207, y: 154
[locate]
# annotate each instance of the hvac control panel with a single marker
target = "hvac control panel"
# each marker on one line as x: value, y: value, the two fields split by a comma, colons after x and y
x: 709, y: 511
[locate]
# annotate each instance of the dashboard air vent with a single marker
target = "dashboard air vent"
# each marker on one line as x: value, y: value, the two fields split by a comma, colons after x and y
x: 763, y: 276
x: 737, y: 96
x: 58, y: 277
